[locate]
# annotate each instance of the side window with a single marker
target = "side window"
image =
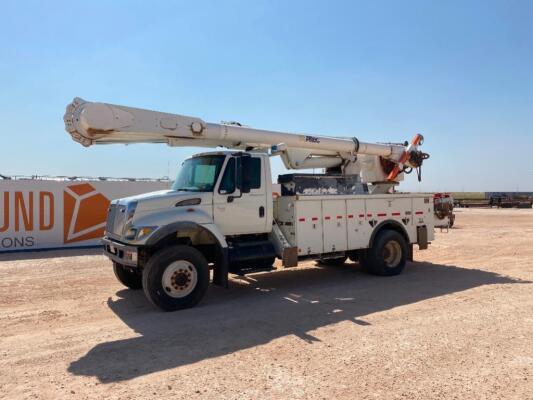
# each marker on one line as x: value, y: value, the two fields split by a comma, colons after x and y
x: 252, y: 172
x: 227, y: 184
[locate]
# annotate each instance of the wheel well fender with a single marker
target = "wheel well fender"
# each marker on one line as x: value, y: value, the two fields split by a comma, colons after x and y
x: 392, y: 225
x: 188, y: 226
x: 220, y: 276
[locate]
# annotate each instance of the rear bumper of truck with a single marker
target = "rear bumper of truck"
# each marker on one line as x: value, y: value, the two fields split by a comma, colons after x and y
x: 120, y: 253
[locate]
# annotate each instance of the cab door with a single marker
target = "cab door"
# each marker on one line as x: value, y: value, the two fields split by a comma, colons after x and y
x: 234, y: 211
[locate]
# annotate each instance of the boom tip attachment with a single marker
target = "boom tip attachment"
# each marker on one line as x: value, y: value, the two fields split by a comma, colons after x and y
x: 71, y: 117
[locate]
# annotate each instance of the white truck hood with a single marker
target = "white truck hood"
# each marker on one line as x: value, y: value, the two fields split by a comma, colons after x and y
x: 163, y: 199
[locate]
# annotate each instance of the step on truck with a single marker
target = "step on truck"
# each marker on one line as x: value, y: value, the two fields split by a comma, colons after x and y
x: 220, y: 216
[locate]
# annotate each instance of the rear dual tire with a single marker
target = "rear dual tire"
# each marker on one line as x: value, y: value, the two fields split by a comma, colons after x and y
x: 387, y: 256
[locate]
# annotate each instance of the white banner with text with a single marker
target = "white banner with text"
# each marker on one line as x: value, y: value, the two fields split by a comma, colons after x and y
x: 44, y: 214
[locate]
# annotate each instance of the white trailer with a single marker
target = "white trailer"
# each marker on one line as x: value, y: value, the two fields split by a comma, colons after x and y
x: 220, y: 214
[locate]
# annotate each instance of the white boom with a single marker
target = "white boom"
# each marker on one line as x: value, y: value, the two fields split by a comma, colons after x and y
x: 99, y: 123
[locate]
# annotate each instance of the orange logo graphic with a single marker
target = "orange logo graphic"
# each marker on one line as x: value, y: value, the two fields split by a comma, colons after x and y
x: 85, y: 212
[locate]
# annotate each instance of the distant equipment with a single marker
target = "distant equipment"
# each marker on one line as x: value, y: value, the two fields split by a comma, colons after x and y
x: 443, y: 207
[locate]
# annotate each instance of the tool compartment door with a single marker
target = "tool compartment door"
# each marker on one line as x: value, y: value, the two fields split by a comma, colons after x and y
x: 423, y: 214
x: 334, y: 217
x: 358, y: 227
x: 308, y: 219
x: 398, y: 209
x: 377, y: 210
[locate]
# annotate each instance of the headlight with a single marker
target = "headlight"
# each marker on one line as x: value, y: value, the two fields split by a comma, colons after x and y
x: 139, y: 233
x: 130, y: 234
x: 145, y: 231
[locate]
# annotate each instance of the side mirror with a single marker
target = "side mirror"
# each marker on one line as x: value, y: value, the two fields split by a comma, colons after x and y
x: 240, y: 181
x: 245, y: 187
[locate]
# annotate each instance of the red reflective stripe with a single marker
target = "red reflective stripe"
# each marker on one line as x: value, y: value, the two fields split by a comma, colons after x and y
x: 382, y: 214
x: 314, y: 218
x: 368, y: 215
x: 339, y: 216
x: 396, y: 214
x: 350, y: 216
x: 301, y: 219
x: 419, y: 212
x: 327, y: 217
x: 361, y: 215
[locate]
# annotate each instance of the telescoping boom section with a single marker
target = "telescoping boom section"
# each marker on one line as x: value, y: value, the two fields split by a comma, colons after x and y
x: 92, y: 123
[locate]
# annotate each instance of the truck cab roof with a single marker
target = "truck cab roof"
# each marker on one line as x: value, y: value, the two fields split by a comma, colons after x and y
x: 227, y: 152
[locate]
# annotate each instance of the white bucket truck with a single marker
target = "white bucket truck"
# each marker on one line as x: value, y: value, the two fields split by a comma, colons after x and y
x: 220, y: 214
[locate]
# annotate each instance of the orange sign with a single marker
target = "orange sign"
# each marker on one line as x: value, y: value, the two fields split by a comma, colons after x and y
x: 85, y: 212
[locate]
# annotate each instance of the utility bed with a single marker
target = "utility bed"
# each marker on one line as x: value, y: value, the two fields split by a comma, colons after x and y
x: 328, y: 224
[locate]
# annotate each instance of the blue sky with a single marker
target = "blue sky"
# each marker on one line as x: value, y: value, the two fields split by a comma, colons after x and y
x: 460, y: 72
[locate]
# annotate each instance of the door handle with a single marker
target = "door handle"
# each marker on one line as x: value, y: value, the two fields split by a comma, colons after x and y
x: 261, y: 212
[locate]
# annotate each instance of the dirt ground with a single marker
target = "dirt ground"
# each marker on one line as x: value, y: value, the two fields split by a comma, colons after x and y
x: 458, y: 323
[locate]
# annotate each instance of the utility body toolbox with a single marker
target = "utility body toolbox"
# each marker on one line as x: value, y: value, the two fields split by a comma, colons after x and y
x: 325, y: 224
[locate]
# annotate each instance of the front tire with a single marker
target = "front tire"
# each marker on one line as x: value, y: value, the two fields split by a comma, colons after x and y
x: 176, y: 277
x: 387, y: 256
x: 128, y: 276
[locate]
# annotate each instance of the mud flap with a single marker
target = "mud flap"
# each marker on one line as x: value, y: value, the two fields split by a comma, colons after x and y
x: 422, y: 237
x: 290, y: 257
x: 410, y: 252
x: 220, y: 272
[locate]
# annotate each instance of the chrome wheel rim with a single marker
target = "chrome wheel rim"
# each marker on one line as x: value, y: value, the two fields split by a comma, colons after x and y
x: 179, y: 279
x: 392, y: 254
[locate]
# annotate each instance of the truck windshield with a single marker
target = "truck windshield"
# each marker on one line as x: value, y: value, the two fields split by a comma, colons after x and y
x: 199, y: 174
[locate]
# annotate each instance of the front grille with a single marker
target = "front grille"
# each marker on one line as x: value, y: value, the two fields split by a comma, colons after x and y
x: 120, y: 220
x: 111, y: 211
x: 116, y: 217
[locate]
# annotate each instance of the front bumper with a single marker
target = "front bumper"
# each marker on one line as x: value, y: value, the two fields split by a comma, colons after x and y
x: 120, y: 253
